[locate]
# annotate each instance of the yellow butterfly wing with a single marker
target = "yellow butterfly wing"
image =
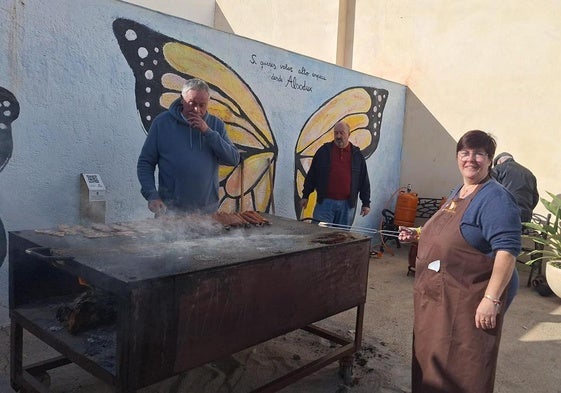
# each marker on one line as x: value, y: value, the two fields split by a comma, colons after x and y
x: 162, y: 64
x: 361, y: 108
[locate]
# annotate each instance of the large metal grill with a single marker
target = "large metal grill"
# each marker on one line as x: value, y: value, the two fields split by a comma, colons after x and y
x: 184, y: 299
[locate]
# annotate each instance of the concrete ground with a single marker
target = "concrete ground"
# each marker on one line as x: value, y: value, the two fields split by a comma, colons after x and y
x: 529, y: 357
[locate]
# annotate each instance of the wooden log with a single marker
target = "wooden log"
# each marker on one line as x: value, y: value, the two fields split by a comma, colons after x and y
x: 90, y: 309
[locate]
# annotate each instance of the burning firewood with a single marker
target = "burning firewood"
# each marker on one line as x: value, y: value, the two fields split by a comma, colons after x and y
x: 90, y: 309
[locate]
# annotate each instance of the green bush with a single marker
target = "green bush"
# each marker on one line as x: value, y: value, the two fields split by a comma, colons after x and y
x: 548, y: 234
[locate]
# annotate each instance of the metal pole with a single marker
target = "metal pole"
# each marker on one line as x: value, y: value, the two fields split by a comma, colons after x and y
x: 270, y: 170
x: 240, y: 206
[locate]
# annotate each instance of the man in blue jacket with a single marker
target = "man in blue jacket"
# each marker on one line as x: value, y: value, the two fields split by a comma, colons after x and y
x: 187, y: 144
x: 338, y: 174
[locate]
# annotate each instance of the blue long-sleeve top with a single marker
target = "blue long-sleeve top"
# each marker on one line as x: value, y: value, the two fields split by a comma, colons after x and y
x: 491, y: 222
x: 187, y: 161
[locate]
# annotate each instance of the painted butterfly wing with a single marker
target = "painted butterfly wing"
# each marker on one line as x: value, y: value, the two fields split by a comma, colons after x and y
x: 162, y: 64
x: 361, y: 108
x: 9, y: 111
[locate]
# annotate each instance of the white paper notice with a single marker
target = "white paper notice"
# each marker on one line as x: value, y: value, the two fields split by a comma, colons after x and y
x: 434, y: 265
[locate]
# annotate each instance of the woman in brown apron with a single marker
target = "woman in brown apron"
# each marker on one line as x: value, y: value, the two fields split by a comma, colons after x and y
x: 465, y: 260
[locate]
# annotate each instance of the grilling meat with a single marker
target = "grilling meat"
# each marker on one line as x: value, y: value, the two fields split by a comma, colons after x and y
x: 334, y: 238
x: 170, y: 223
x: 255, y: 216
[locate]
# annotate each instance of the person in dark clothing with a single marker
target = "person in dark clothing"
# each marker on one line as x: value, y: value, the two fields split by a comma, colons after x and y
x: 187, y: 144
x: 339, y: 175
x: 522, y: 184
x: 520, y: 181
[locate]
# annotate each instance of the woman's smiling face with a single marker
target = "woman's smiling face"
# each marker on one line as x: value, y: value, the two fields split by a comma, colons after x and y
x: 475, y: 151
x: 474, y: 164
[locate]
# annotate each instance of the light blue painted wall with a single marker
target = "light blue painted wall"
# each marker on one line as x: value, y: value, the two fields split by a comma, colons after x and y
x: 78, y: 112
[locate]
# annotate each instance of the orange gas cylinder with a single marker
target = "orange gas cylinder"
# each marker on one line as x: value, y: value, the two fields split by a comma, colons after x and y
x: 406, y: 209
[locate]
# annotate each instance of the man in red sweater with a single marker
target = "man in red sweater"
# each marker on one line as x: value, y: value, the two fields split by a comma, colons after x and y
x: 339, y: 175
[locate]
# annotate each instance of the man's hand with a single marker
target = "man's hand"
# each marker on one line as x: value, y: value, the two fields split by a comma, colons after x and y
x: 408, y: 235
x: 157, y: 206
x: 364, y: 211
x: 196, y: 121
x: 304, y: 202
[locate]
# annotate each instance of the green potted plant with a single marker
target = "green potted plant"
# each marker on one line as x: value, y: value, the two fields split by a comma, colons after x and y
x: 548, y: 234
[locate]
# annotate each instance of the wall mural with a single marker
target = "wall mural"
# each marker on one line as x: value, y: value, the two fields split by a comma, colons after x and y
x: 9, y: 111
x: 161, y: 64
x: 361, y: 108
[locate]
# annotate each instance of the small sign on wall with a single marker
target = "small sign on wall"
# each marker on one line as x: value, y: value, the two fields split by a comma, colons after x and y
x: 92, y: 198
x: 95, y: 187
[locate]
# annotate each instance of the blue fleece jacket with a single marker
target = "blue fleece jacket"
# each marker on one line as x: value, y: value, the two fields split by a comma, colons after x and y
x: 187, y: 161
x: 491, y: 222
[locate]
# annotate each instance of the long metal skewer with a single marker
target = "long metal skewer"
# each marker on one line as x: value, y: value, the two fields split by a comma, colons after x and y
x: 360, y: 229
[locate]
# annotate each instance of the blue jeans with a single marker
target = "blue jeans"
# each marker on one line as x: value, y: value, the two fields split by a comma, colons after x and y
x: 334, y: 211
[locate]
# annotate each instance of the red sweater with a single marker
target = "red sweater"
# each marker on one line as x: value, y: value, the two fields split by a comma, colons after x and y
x: 339, y: 187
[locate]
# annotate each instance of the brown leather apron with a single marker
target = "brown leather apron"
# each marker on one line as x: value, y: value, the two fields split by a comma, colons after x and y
x: 450, y: 355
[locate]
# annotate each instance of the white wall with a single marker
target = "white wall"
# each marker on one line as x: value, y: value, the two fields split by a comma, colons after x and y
x: 305, y: 27
x: 467, y: 64
x: 72, y: 119
x: 198, y: 11
x: 79, y: 109
x: 472, y: 65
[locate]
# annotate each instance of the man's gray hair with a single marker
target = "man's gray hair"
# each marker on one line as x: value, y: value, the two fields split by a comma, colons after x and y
x: 195, y: 84
x: 500, y: 158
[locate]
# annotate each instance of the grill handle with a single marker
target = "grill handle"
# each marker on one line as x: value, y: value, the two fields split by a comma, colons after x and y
x: 41, y: 253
